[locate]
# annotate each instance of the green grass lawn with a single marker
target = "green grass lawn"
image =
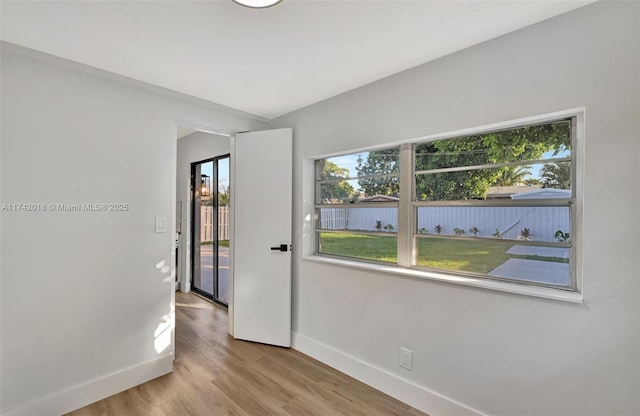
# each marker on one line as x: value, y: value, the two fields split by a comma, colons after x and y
x: 470, y: 255
x: 373, y: 247
x: 222, y: 243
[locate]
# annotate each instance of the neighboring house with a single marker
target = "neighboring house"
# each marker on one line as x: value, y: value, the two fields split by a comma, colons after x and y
x: 545, y: 193
x: 527, y: 192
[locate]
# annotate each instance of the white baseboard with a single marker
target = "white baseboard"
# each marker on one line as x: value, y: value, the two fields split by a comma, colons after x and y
x: 395, y: 386
x: 98, y: 389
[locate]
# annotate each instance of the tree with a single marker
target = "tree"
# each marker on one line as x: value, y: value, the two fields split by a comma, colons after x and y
x: 379, y: 162
x: 224, y: 195
x: 556, y: 175
x: 512, y: 175
x: 338, y: 190
x: 521, y: 144
x: 516, y: 145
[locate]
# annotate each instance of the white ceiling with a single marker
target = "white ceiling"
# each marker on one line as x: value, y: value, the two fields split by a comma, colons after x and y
x: 266, y: 62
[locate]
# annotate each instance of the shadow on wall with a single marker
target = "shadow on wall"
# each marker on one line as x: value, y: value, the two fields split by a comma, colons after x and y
x: 162, y: 335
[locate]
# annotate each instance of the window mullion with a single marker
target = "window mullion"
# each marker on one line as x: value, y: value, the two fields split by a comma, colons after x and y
x: 405, y: 210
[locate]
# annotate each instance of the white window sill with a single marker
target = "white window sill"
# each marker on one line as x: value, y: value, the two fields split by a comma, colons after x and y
x: 520, y: 289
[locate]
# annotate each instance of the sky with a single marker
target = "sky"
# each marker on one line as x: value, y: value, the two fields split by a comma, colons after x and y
x: 223, y: 170
x: 349, y: 161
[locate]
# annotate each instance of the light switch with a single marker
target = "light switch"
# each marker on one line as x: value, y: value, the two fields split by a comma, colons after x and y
x: 161, y: 224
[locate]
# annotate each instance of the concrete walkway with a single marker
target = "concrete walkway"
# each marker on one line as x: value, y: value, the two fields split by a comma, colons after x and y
x: 535, y: 270
x: 206, y: 271
x: 522, y: 250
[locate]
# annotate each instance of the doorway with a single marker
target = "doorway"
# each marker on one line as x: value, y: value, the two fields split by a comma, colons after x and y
x: 210, y: 231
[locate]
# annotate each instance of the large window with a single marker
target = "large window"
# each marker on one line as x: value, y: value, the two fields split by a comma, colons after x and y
x: 497, y: 205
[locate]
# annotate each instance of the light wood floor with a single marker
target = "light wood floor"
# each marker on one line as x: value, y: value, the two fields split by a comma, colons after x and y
x: 217, y: 375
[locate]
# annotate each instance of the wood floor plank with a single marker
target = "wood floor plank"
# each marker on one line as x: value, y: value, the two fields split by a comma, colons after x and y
x: 215, y: 374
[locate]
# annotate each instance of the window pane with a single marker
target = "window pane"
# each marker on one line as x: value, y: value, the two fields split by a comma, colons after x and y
x: 341, y: 192
x: 359, y: 219
x: 522, y: 144
x: 340, y: 166
x: 370, y: 247
x: 533, y: 223
x: 375, y: 162
x: 349, y: 191
x: 533, y: 263
x: 365, y: 174
x: 538, y: 181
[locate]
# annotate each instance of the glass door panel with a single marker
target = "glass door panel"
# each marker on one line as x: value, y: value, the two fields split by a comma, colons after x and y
x: 210, y: 228
x: 223, y: 196
x: 203, y: 229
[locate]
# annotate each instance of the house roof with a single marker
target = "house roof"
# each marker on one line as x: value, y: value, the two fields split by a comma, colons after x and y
x: 497, y: 192
x: 546, y: 193
x: 379, y: 198
x: 527, y: 192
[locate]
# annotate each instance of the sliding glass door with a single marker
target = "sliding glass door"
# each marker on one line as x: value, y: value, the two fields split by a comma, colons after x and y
x: 210, y: 228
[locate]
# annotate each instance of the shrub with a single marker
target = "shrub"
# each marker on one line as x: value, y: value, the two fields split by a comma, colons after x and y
x: 526, y: 233
x: 562, y: 237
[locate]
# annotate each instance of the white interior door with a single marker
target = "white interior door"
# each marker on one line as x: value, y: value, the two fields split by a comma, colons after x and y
x: 261, y: 205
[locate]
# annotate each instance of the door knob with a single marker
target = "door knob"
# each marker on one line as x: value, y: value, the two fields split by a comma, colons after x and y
x: 281, y: 247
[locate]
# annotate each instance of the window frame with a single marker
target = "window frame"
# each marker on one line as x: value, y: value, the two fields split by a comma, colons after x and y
x: 408, y: 205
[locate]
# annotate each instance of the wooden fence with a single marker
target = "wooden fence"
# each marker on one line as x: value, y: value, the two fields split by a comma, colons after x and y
x: 207, y: 222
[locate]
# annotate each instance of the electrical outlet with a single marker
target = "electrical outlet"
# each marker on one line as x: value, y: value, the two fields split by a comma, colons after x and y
x: 406, y: 358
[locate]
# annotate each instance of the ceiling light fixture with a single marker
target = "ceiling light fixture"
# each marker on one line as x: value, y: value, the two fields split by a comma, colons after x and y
x: 257, y: 4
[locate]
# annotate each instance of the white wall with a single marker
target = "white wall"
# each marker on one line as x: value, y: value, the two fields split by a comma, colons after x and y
x: 494, y: 353
x: 84, y: 295
x: 193, y: 148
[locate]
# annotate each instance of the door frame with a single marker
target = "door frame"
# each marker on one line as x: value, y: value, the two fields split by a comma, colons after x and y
x: 185, y: 269
x: 192, y: 233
